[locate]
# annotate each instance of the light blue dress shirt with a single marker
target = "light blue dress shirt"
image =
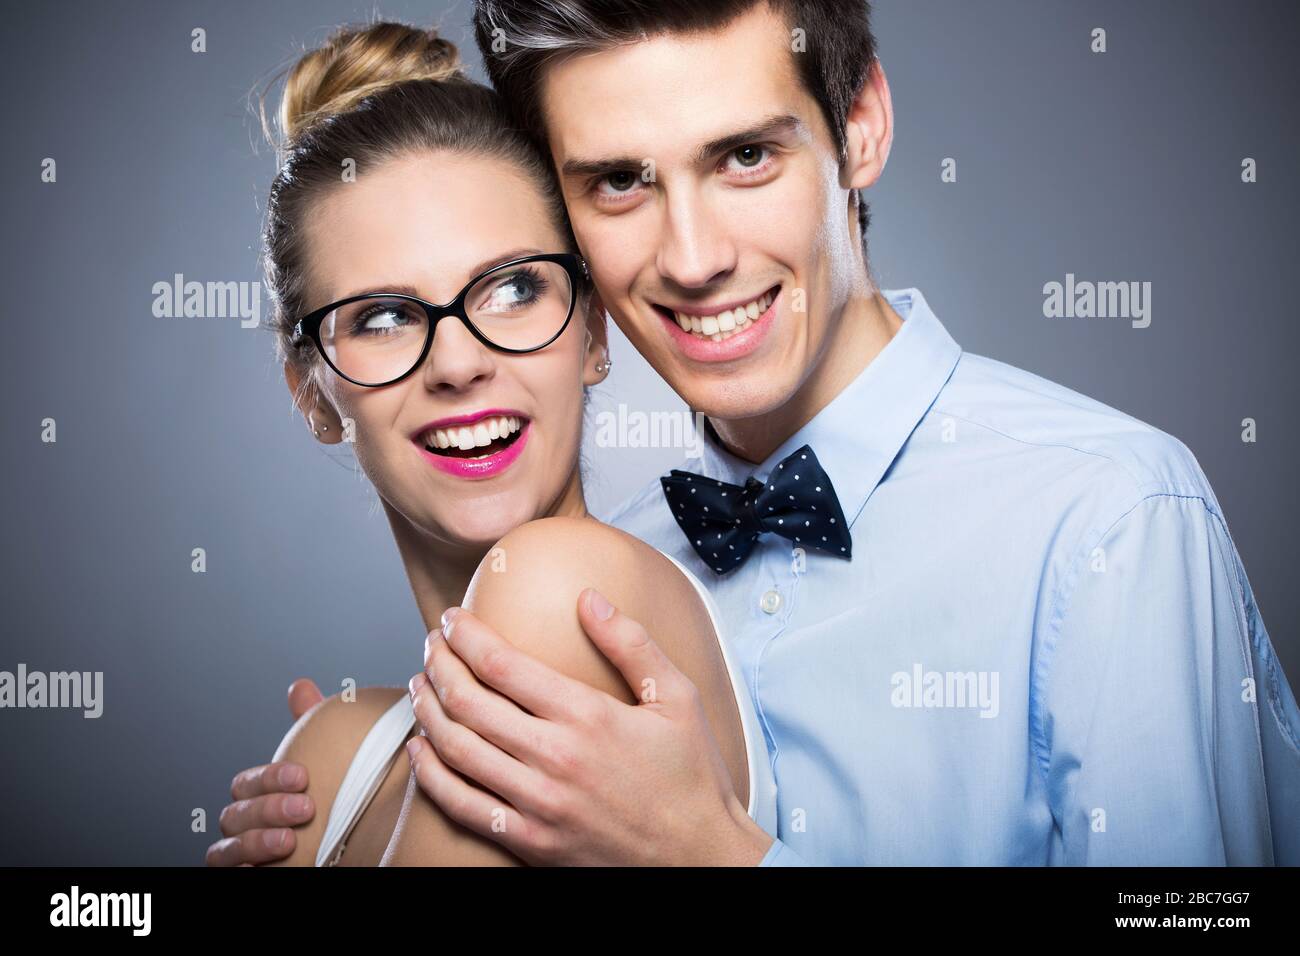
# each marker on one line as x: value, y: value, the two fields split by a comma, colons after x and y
x: 1043, y: 651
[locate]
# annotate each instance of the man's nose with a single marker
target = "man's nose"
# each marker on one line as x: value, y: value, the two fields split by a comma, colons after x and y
x: 697, y: 248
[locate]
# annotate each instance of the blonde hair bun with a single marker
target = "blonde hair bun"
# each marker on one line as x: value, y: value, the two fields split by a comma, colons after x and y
x: 357, y: 61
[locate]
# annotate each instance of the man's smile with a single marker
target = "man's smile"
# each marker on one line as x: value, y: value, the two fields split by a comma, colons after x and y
x: 723, y: 331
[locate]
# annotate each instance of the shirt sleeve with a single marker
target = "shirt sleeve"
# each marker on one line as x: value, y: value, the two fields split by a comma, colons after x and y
x: 1163, y: 723
x: 778, y: 854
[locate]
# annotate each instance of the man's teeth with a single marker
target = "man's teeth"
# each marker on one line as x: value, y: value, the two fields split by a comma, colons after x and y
x: 482, y: 432
x: 725, y: 324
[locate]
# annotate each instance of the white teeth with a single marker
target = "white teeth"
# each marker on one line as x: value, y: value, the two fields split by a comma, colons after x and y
x: 724, y: 324
x: 482, y: 432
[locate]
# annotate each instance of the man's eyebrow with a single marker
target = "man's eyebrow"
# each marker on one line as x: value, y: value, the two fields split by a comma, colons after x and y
x: 779, y: 125
x: 782, y: 125
x: 476, y: 269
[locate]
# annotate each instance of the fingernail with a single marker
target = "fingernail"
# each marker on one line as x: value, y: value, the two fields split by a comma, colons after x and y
x: 290, y: 776
x: 296, y: 805
x: 416, y: 683
x: 275, y: 838
x: 599, y: 606
x: 412, y: 748
x: 448, y: 617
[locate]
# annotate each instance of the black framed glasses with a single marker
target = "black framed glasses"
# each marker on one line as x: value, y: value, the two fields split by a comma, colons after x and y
x: 380, y: 338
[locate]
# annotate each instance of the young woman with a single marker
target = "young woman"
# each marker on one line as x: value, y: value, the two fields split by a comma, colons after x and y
x: 402, y: 187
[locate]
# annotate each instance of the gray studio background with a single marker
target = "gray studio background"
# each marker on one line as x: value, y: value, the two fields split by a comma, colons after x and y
x: 177, y: 433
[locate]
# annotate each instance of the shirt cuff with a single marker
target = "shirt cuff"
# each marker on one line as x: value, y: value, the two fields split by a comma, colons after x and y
x: 778, y: 854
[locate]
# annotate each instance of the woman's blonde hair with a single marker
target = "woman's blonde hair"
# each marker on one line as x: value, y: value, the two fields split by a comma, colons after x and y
x: 356, y: 62
x: 368, y: 94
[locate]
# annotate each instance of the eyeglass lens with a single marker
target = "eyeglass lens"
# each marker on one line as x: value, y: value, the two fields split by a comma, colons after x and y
x: 520, y: 306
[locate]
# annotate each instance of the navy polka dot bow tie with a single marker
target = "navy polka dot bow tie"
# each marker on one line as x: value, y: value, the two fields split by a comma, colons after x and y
x: 723, y: 520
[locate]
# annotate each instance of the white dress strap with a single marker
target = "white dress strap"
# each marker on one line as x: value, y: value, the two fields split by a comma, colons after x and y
x: 367, y: 771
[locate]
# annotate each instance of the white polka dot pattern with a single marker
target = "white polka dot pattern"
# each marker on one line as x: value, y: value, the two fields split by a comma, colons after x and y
x: 722, y: 521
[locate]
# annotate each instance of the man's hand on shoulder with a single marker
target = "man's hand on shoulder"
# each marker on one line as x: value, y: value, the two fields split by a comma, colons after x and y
x: 586, y: 778
x: 267, y: 802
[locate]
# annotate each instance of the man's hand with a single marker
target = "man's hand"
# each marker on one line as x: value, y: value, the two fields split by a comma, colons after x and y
x: 582, y: 778
x: 267, y: 802
x: 303, y: 696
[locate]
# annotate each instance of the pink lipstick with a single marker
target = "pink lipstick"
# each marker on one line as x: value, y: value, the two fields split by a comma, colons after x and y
x: 476, y: 461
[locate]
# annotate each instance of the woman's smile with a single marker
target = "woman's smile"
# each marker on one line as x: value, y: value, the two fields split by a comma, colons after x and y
x: 478, y: 445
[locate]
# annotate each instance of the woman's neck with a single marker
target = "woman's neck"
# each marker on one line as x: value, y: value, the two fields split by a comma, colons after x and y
x: 440, y: 572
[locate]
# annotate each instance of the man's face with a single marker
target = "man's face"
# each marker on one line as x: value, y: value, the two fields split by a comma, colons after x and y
x: 700, y: 176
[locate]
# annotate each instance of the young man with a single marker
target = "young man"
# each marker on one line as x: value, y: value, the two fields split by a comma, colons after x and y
x: 1006, y: 625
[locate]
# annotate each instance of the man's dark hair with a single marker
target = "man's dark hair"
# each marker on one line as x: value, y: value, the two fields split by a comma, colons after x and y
x: 520, y: 38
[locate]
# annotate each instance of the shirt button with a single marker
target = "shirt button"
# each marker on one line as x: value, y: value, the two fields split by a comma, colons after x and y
x: 770, y: 601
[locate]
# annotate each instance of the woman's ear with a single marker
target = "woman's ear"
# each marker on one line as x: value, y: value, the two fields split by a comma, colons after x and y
x: 596, y: 363
x: 321, y: 417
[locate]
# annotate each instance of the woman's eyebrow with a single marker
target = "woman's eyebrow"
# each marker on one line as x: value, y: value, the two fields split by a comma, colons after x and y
x: 403, y: 289
x: 491, y: 261
x: 394, y: 287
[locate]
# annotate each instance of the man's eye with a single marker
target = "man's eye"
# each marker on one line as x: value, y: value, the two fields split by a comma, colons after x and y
x: 620, y: 182
x: 748, y: 162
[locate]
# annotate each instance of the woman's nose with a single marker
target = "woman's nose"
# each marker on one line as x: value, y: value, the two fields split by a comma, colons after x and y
x: 456, y: 359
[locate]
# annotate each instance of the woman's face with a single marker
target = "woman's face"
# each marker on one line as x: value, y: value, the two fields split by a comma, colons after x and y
x: 426, y: 224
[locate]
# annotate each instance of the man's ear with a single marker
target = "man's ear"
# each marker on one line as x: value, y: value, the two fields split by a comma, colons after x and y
x: 869, y: 131
x: 322, y: 419
x: 596, y: 362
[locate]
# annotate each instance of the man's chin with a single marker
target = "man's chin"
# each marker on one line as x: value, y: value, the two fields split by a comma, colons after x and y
x: 728, y: 399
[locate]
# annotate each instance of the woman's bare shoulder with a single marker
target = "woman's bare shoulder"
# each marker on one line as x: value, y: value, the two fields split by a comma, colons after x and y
x: 553, y: 559
x: 328, y: 728
x: 527, y: 589
x: 324, y: 740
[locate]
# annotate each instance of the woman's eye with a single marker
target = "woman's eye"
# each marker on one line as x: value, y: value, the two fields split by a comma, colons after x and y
x: 386, y: 319
x: 379, y: 321
x: 514, y: 293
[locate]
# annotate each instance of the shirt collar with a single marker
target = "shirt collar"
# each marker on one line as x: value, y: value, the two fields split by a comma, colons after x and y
x: 857, y: 436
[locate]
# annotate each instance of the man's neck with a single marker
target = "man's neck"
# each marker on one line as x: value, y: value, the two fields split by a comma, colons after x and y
x: 865, y: 328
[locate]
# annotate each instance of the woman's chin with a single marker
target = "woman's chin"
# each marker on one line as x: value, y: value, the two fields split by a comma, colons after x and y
x: 482, y: 531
